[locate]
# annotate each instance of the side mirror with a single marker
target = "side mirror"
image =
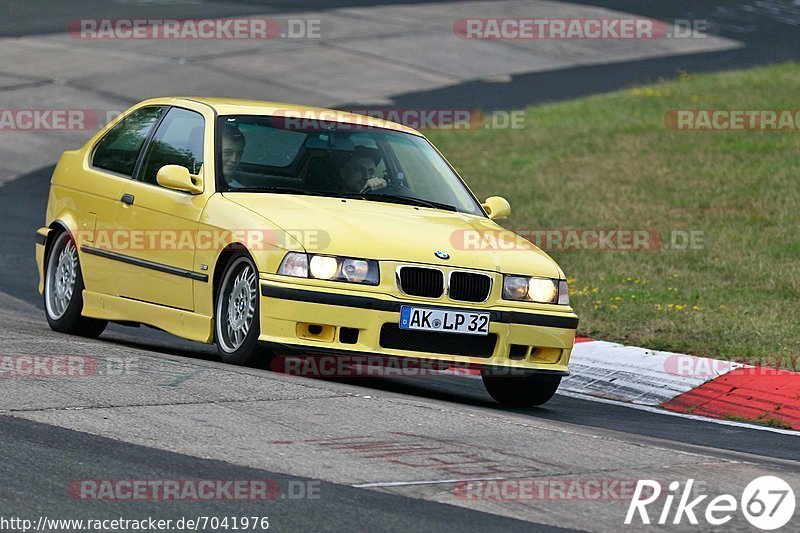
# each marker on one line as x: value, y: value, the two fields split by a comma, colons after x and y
x: 178, y: 178
x: 497, y: 207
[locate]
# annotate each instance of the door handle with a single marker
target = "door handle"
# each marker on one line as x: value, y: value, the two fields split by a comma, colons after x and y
x: 127, y: 199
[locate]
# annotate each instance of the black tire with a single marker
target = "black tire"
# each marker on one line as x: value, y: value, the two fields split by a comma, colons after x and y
x: 521, y: 391
x: 246, y: 351
x: 65, y: 317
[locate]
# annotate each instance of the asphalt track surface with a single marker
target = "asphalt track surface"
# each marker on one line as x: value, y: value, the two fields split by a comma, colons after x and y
x: 35, y: 17
x: 36, y: 458
x: 768, y: 38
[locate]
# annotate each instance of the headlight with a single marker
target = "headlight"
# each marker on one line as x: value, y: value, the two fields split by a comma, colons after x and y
x: 294, y: 264
x: 355, y: 270
x: 330, y: 267
x: 323, y: 267
x: 541, y: 290
x: 515, y: 288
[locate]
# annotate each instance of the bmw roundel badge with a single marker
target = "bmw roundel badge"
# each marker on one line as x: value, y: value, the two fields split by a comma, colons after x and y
x: 441, y: 255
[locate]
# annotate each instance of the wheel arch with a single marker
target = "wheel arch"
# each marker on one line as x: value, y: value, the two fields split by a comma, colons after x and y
x: 57, y: 227
x: 223, y: 260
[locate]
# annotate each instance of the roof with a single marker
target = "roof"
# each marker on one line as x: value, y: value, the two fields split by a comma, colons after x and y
x: 233, y: 106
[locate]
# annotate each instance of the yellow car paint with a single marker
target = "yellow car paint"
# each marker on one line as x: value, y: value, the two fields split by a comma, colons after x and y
x: 86, y: 202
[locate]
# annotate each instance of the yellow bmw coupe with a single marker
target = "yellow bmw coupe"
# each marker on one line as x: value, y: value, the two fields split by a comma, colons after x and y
x: 277, y: 229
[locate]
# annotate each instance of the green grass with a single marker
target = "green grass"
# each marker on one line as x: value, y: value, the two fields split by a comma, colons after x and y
x: 610, y: 162
x: 770, y: 421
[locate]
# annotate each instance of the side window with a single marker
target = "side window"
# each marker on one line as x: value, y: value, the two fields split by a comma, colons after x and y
x: 119, y: 149
x: 178, y: 141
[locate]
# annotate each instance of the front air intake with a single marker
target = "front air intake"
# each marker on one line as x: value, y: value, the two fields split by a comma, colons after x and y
x: 469, y: 287
x: 424, y: 282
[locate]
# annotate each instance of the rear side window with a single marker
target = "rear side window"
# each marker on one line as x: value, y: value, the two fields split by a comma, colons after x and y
x: 178, y: 141
x: 119, y: 149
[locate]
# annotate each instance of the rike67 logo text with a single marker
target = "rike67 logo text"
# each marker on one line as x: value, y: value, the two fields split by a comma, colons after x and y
x: 768, y: 503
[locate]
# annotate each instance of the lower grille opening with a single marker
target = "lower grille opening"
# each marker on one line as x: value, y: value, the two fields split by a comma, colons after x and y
x: 348, y: 335
x: 434, y: 342
x: 517, y: 352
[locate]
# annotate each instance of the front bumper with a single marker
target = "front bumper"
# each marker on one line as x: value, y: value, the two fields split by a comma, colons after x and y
x: 307, y: 319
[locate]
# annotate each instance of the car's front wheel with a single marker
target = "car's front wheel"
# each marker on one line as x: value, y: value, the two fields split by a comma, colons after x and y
x: 521, y: 391
x: 63, y: 291
x: 236, y: 324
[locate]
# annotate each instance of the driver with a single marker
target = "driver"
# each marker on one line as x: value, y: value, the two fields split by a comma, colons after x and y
x: 358, y: 172
x: 232, y: 150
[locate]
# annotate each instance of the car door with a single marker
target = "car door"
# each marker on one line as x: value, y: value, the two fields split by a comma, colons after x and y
x: 111, y: 165
x: 161, y: 223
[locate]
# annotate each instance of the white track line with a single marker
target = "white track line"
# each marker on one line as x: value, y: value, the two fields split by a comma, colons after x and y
x: 424, y: 482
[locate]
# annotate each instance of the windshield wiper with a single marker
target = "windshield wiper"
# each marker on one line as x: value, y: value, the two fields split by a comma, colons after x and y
x: 356, y: 195
x: 407, y: 200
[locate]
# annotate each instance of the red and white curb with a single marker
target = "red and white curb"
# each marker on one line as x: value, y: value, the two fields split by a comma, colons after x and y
x: 680, y: 383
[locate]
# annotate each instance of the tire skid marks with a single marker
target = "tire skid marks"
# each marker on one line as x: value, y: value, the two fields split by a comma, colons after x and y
x: 419, y: 452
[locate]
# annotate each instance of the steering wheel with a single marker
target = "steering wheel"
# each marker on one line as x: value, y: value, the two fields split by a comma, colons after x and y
x: 391, y: 189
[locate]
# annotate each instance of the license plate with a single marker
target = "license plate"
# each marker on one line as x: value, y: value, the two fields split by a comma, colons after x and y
x: 426, y: 319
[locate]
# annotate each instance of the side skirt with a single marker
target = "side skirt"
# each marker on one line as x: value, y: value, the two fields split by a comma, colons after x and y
x: 184, y: 324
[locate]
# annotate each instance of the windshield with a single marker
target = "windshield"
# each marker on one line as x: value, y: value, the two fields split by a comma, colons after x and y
x: 273, y: 154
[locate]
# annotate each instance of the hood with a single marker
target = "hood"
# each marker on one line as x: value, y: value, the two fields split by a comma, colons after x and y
x: 384, y: 231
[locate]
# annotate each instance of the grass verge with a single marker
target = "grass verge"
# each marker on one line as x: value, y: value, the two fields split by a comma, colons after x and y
x: 609, y: 162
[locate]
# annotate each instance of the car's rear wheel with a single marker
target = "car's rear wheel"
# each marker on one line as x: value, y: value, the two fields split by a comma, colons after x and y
x: 521, y: 391
x: 63, y: 290
x: 236, y: 327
